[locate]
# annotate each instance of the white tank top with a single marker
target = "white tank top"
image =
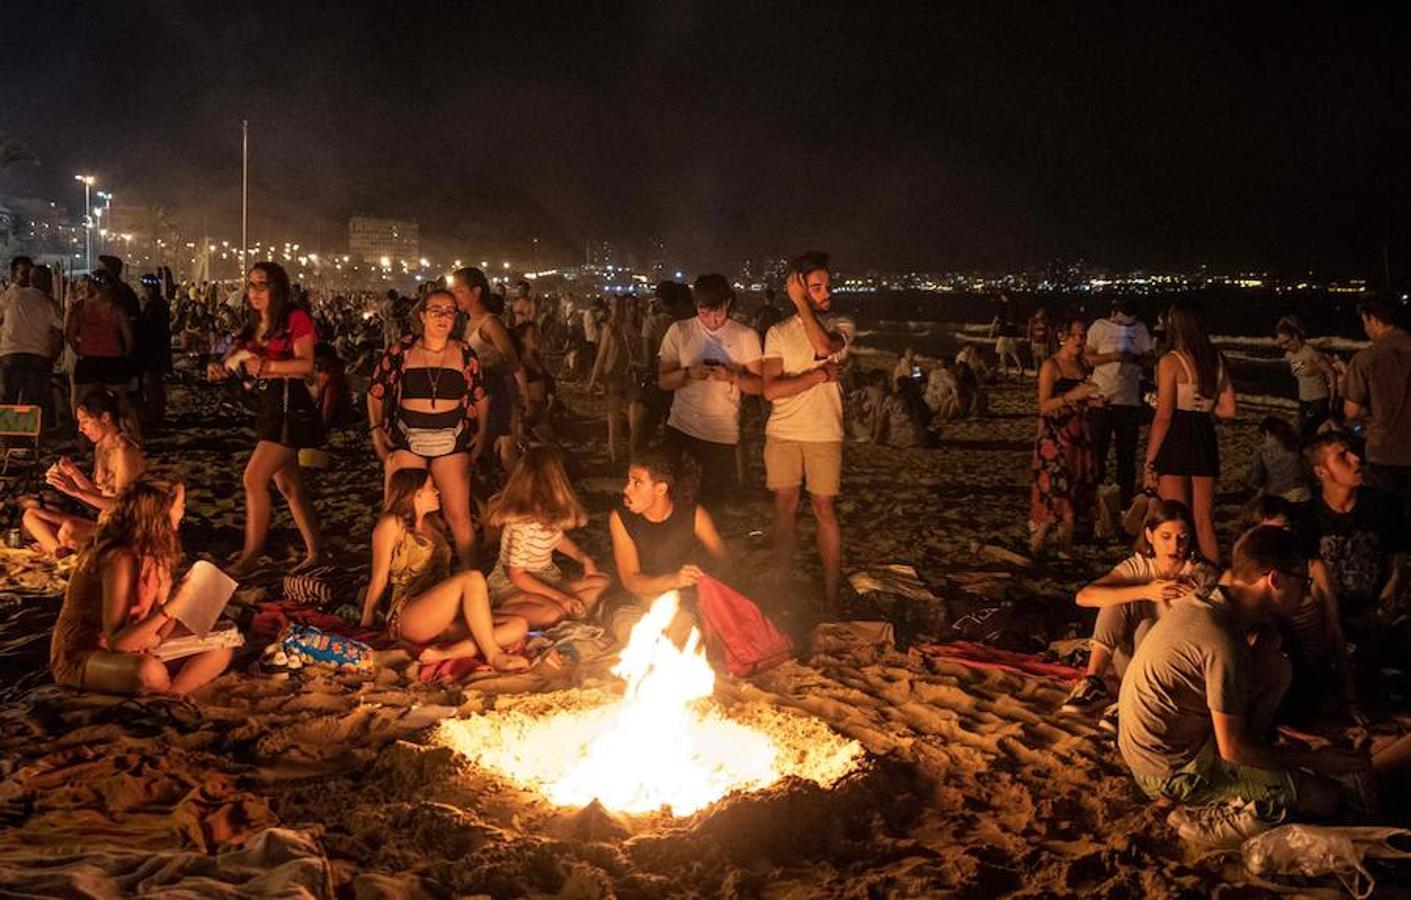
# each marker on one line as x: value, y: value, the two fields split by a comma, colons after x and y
x: 1188, y: 396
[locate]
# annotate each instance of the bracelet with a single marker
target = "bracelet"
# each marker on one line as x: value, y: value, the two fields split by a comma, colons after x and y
x: 380, y: 426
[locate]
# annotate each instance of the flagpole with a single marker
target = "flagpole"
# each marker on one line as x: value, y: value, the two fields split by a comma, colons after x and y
x: 244, y: 193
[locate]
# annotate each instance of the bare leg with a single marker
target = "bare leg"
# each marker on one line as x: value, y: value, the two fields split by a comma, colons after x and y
x: 427, y: 616
x: 267, y: 458
x: 290, y: 482
x: 200, y: 669
x: 43, y: 525
x: 786, y: 507
x: 109, y: 672
x: 830, y: 546
x: 588, y: 589
x: 507, y: 630
x: 614, y: 404
x: 400, y: 459
x: 536, y: 609
x: 1203, y: 511
x: 452, y: 477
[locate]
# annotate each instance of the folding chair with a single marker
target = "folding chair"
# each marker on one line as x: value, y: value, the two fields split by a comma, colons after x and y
x: 23, y: 421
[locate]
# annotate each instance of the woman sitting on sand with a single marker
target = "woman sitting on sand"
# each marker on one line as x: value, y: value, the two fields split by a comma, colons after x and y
x: 1064, y: 468
x: 411, y: 561
x: 1182, y: 453
x: 117, y: 460
x: 427, y: 404
x: 903, y: 417
x: 535, y: 510
x: 1133, y: 596
x: 276, y: 348
x: 113, y: 611
x: 657, y: 534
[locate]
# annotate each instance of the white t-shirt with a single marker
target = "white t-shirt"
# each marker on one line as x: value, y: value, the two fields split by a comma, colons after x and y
x: 815, y: 414
x: 708, y: 410
x: 27, y: 319
x: 1119, y: 382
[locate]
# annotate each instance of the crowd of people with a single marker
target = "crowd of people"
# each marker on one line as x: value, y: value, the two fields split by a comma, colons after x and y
x: 1195, y: 656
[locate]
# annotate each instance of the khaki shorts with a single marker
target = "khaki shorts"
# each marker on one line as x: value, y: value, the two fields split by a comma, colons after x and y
x: 787, y: 464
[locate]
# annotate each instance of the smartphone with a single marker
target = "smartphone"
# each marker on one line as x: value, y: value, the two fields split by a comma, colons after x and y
x: 917, y: 373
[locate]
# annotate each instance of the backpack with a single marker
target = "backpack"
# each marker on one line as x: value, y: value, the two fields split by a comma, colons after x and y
x: 737, y: 634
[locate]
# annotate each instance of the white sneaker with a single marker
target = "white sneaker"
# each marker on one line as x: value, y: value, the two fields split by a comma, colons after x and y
x: 1108, y: 721
x: 1225, y: 825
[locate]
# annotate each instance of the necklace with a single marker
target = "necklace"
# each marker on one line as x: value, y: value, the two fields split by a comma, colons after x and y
x: 435, y: 377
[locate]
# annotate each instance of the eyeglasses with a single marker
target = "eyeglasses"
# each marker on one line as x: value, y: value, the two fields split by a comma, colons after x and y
x: 441, y: 312
x: 257, y: 285
x: 1307, y: 580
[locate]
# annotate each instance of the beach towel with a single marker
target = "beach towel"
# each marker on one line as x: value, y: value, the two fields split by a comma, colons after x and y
x: 737, y: 634
x: 982, y: 656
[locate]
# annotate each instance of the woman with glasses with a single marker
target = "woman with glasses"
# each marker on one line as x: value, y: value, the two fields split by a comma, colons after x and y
x: 426, y: 401
x: 276, y: 349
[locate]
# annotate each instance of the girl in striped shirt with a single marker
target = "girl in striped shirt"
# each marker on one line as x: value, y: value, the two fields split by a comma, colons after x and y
x: 535, y: 510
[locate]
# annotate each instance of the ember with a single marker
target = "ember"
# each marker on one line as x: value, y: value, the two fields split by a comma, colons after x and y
x: 665, y: 744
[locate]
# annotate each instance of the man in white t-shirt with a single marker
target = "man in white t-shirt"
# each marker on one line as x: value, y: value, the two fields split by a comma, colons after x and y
x: 803, y: 441
x: 709, y: 361
x: 1117, y: 348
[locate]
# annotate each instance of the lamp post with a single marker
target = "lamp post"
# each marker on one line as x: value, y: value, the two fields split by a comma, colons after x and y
x: 88, y: 181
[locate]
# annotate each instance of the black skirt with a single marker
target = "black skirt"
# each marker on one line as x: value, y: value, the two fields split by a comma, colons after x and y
x: 1190, y: 448
x: 285, y: 413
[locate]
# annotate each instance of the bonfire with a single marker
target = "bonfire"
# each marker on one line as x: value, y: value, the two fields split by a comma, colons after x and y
x: 666, y: 745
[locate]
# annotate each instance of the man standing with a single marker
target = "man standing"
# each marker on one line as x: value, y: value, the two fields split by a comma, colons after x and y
x: 803, y: 442
x: 1198, y: 701
x: 709, y: 361
x: 31, y: 335
x: 1118, y: 347
x: 523, y: 308
x: 1378, y: 389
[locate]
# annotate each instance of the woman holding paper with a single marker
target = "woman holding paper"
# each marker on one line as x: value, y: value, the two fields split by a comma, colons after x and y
x: 114, y: 614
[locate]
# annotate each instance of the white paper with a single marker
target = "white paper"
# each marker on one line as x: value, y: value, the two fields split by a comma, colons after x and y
x: 201, y: 597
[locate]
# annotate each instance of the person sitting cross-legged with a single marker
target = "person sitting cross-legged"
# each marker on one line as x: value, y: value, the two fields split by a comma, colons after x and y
x: 1134, y: 596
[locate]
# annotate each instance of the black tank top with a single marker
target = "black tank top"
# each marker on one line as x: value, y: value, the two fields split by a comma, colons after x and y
x: 662, y: 547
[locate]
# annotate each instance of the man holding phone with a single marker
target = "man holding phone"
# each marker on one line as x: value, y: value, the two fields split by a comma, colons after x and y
x: 1117, y: 348
x: 804, y: 438
x: 710, y: 361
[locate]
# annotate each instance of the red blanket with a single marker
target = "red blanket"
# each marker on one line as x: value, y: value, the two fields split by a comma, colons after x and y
x: 983, y: 656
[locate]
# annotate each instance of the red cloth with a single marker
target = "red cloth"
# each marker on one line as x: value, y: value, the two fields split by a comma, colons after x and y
x: 983, y: 656
x: 738, y: 635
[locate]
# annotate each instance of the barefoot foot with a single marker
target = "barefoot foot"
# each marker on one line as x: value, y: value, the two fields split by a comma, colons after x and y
x: 508, y: 662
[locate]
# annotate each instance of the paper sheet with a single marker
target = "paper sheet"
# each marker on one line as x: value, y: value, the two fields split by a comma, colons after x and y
x: 198, y: 601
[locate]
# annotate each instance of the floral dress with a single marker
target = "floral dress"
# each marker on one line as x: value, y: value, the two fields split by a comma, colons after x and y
x: 1064, y: 467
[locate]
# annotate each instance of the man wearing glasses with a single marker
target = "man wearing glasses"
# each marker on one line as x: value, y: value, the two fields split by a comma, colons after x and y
x: 1198, y: 701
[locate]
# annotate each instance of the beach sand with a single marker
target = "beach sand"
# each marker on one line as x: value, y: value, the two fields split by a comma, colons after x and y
x: 325, y: 784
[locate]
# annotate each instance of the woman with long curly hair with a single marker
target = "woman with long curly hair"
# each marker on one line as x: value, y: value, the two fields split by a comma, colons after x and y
x: 425, y: 603
x: 1182, y: 453
x: 114, y: 608
x: 276, y: 348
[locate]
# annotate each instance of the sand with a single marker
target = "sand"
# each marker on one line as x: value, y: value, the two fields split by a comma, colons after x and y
x: 320, y: 784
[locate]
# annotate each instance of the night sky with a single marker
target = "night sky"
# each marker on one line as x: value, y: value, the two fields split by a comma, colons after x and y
x: 940, y: 136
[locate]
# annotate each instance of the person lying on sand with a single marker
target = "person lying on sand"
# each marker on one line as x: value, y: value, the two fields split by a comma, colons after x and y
x: 114, y: 608
x: 656, y: 535
x: 1133, y: 596
x: 1197, y: 705
x: 535, y: 510
x: 117, y: 460
x: 427, y: 605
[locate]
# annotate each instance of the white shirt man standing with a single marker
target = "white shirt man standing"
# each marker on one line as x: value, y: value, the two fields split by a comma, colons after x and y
x: 710, y: 361
x: 1117, y: 348
x: 804, y: 438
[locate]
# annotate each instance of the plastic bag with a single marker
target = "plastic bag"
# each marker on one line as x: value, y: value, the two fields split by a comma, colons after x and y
x: 1316, y: 850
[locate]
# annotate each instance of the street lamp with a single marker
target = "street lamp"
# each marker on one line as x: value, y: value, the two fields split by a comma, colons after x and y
x: 106, y: 210
x: 88, y: 182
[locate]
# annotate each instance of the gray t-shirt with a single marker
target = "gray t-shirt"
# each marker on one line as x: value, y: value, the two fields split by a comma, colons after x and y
x: 1192, y: 661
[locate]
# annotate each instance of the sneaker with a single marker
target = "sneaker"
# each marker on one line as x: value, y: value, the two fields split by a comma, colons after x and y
x: 1108, y: 722
x: 1225, y: 825
x: 1087, y: 693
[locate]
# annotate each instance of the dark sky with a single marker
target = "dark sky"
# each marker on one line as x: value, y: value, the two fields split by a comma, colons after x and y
x: 940, y: 135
